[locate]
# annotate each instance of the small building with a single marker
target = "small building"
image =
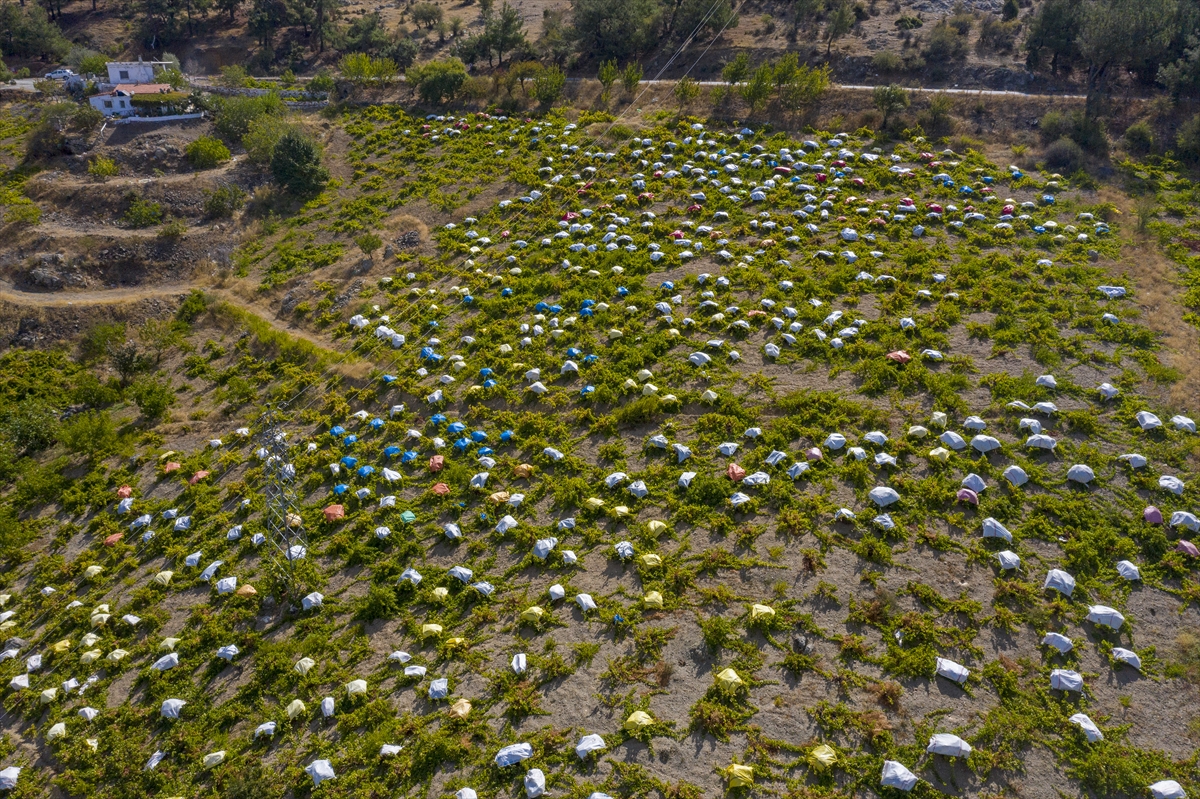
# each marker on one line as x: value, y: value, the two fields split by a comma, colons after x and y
x: 120, y: 100
x: 120, y: 72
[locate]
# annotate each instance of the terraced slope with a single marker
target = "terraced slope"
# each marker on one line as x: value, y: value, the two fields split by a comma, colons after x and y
x: 729, y: 449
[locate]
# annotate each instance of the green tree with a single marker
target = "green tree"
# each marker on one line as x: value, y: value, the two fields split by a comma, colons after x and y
x: 438, y: 81
x: 548, y: 86
x: 1010, y: 10
x: 889, y: 100
x: 805, y: 88
x: 26, y: 31
x: 426, y: 14
x: 1055, y: 28
x: 296, y: 165
x: 1115, y: 32
x: 805, y: 13
x: 616, y: 29
x: 786, y: 69
x: 631, y: 76
x: 127, y: 360
x: 1182, y: 76
x: 367, y: 34
x: 738, y: 69
x: 839, y: 22
x: 757, y: 90
x: 524, y: 71
x: 686, y: 92
x: 369, y: 243
x: 608, y: 73
x: 700, y: 19
x: 505, y: 31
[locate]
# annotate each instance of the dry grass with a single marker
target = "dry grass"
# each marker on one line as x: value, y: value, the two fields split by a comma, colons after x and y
x: 1156, y: 278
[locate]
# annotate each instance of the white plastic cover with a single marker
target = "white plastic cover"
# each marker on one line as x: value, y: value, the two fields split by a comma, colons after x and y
x: 513, y: 753
x: 895, y: 775
x: 943, y: 743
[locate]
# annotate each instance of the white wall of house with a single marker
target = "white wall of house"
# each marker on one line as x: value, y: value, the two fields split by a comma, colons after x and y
x: 110, y: 105
x: 132, y: 71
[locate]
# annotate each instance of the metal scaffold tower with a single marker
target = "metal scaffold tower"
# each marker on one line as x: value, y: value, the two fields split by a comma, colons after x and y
x: 285, y: 529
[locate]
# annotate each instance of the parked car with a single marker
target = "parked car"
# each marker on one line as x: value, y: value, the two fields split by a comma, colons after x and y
x: 60, y: 74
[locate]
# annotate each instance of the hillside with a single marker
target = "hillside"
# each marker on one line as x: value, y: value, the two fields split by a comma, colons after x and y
x: 730, y: 444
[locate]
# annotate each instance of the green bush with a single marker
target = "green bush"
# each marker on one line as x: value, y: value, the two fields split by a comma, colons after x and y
x: 1064, y: 155
x: 224, y: 201
x: 102, y: 168
x: 91, y: 433
x: 1087, y: 133
x: 887, y: 62
x: 438, y: 81
x: 172, y: 229
x: 296, y: 165
x: 31, y: 426
x: 262, y: 136
x: 235, y: 114
x: 1139, y: 138
x: 936, y: 120
x: 321, y: 82
x: 206, y: 152
x: 1187, y: 140
x: 194, y: 304
x: 142, y: 213
x: 153, y: 398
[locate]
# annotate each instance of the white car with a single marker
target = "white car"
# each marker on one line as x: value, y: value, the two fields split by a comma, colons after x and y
x: 60, y: 74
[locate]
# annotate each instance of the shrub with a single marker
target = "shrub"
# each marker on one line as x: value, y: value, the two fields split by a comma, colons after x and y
x: 296, y: 165
x: 235, y: 114
x: 936, y: 120
x: 1064, y: 155
x: 102, y: 168
x: 1139, y: 138
x: 362, y: 68
x: 153, y: 398
x: 438, y: 81
x: 262, y: 136
x: 224, y: 201
x: 1010, y: 10
x: 142, y: 213
x: 369, y: 243
x: 945, y: 47
x: 887, y: 62
x: 173, y: 229
x: 631, y: 76
x: 907, y: 22
x: 192, y: 306
x: 31, y: 426
x: 234, y: 77
x: 321, y: 82
x: 1188, y: 139
x: 206, y: 152
x: 91, y: 433
x: 997, y: 36
x: 1087, y: 133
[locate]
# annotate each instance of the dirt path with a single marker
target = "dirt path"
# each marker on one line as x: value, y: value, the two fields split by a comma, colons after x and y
x: 60, y: 299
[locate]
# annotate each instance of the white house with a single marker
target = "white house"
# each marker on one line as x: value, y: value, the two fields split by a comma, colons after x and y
x: 119, y: 101
x: 139, y: 71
